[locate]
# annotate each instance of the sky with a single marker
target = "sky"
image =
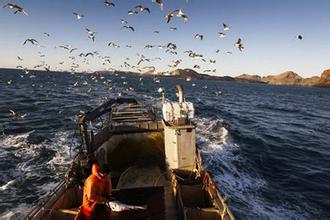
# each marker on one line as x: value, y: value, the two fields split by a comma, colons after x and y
x: 268, y: 30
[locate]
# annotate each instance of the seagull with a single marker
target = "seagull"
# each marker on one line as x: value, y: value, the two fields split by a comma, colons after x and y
x: 148, y: 46
x: 178, y: 12
x: 31, y: 40
x: 173, y: 28
x: 15, y: 7
x: 91, y: 34
x: 156, y: 32
x: 89, y: 31
x: 239, y: 44
x: 13, y: 113
x: 123, y: 21
x: 113, y: 45
x: 199, y: 36
x: 66, y: 47
x: 212, y: 61
x: 196, y: 67
x: 73, y: 50
x: 78, y: 16
x: 217, y: 93
x: 181, y: 14
x: 108, y: 3
x: 225, y: 27
x: 300, y: 37
x: 19, y: 58
x: 142, y: 8
x: 19, y: 114
x: 128, y: 27
x: 46, y: 34
x: 217, y: 51
x: 132, y: 12
x: 169, y: 16
x: 222, y: 35
x: 160, y: 3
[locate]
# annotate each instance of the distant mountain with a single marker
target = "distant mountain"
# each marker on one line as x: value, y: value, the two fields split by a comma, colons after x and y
x: 249, y: 78
x: 189, y: 73
x: 325, y: 79
x: 288, y: 78
x: 312, y: 81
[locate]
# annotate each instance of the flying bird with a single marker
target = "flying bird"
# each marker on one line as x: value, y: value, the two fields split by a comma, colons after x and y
x: 91, y: 34
x: 109, y: 4
x: 156, y: 32
x: 89, y: 54
x: 78, y: 16
x: 225, y: 27
x: 73, y: 49
x: 181, y: 14
x: 142, y: 8
x: 128, y: 27
x: 16, y: 8
x: 173, y: 28
x: 123, y: 21
x: 31, y: 40
x: 113, y: 45
x: 66, y: 47
x: 19, y: 58
x: 199, y: 36
x: 178, y: 13
x: 239, y: 44
x: 46, y: 34
x: 222, y: 35
x: 132, y: 12
x: 160, y: 3
x: 300, y: 37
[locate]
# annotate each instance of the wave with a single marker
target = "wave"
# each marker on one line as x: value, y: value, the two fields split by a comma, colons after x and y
x: 234, y: 176
x: 33, y: 168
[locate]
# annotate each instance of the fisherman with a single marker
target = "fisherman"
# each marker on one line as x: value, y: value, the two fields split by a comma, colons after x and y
x: 97, y: 190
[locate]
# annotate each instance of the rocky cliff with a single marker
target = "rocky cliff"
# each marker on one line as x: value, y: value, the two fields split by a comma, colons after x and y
x: 289, y: 78
x: 286, y: 78
x: 325, y: 79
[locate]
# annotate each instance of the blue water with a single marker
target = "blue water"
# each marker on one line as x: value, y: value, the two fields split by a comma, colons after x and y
x: 267, y: 147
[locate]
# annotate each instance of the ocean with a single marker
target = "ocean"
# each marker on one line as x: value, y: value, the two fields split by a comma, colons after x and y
x: 267, y: 147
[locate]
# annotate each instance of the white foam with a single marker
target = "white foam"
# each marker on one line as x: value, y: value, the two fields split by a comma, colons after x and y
x: 236, y: 181
x: 16, y: 212
x: 6, y: 186
x: 14, y: 140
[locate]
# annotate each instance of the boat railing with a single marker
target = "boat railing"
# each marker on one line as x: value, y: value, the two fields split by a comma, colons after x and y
x: 46, y: 203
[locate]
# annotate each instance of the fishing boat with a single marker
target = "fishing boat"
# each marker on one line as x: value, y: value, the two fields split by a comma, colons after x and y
x: 154, y: 162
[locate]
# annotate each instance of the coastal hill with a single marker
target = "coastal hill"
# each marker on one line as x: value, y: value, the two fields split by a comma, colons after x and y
x: 288, y: 78
x: 324, y: 81
x: 189, y: 73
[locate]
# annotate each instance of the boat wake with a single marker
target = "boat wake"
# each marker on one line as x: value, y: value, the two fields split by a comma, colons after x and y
x: 235, y: 178
x: 31, y: 165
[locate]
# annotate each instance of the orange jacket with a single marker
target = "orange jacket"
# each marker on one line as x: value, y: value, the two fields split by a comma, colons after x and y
x: 96, y: 188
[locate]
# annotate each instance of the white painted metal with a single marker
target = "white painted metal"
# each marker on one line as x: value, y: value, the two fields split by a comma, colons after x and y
x: 180, y: 146
x: 172, y: 111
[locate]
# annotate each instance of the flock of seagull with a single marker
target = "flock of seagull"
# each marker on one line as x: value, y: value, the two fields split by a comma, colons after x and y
x: 169, y: 48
